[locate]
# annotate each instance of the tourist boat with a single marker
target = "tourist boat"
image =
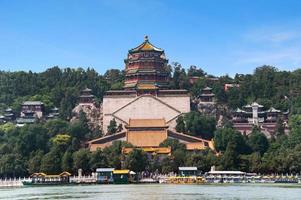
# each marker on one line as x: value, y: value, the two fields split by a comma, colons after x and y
x: 44, y: 179
x: 287, y: 179
x: 104, y: 175
x: 122, y: 176
x: 148, y: 180
x: 186, y: 180
x: 225, y: 177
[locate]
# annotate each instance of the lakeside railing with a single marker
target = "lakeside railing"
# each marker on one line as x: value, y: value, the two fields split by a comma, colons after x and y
x: 13, y: 182
x: 83, y: 179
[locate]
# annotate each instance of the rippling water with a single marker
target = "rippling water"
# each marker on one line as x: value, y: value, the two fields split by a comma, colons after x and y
x: 156, y: 191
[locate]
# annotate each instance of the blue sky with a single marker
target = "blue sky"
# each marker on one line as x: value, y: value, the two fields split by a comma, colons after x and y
x: 221, y: 37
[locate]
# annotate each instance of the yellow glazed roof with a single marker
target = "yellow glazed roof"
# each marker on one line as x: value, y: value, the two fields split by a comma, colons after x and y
x: 122, y: 171
x: 146, y: 87
x: 146, y: 46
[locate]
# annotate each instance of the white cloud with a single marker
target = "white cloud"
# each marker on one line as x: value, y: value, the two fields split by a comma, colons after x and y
x: 280, y: 47
x: 273, y: 35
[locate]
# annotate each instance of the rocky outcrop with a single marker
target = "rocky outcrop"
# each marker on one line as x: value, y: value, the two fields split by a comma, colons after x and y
x: 93, y: 115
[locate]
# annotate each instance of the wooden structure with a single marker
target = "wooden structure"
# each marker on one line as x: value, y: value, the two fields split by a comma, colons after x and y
x: 145, y: 94
x: 86, y: 96
x: 146, y: 68
x: 206, y: 95
x: 255, y: 115
x: 44, y: 179
x: 32, y: 109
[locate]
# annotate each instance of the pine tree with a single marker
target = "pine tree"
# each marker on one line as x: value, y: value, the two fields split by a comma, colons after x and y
x: 112, y: 128
x: 180, y: 127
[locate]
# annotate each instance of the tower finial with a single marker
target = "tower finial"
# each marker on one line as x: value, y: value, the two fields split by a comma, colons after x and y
x: 145, y: 38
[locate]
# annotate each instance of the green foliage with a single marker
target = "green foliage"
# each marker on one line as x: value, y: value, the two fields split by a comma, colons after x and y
x: 34, y: 162
x: 258, y: 142
x: 56, y: 145
x: 12, y: 165
x: 179, y: 79
x: 173, y: 143
x: 226, y: 135
x: 229, y: 160
x: 112, y: 128
x: 67, y: 161
x: 195, y: 71
x: 7, y: 127
x: 51, y: 162
x: 113, y: 153
x: 55, y: 87
x: 180, y: 127
x: 295, y: 133
x: 61, y: 140
x: 56, y: 126
x: 203, y: 159
x: 81, y: 160
x: 136, y: 160
x: 194, y: 123
x: 98, y: 159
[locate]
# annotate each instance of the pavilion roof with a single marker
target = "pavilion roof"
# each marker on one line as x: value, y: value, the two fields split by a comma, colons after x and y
x: 25, y: 120
x: 86, y: 90
x: 238, y: 110
x: 207, y: 88
x: 145, y: 46
x: 145, y: 86
x: 273, y: 110
x: 188, y: 168
x: 121, y: 171
x: 8, y: 110
x: 255, y: 104
x: 105, y: 169
x: 227, y: 172
x: 32, y: 103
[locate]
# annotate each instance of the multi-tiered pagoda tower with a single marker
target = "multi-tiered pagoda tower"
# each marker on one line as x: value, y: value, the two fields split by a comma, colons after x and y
x: 146, y: 68
x: 145, y: 95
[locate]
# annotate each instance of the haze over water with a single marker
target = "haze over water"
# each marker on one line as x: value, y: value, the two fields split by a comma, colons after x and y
x: 156, y: 191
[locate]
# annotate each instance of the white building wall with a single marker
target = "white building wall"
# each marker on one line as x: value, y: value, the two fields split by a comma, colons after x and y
x: 144, y: 107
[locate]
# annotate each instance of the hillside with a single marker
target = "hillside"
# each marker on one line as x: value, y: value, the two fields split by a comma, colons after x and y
x: 56, y: 145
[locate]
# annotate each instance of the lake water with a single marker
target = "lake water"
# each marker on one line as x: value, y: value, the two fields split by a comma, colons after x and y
x: 156, y: 191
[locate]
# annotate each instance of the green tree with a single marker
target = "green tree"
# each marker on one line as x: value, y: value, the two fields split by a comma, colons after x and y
x: 202, y: 159
x: 12, y: 165
x: 67, y: 161
x: 226, y: 135
x: 51, y: 162
x: 180, y: 127
x: 199, y: 125
x: 112, y: 128
x: 34, y: 162
x: 230, y: 160
x: 136, y: 160
x: 56, y: 126
x: 113, y: 153
x: 62, y: 141
x: 173, y: 143
x: 98, y: 159
x: 81, y: 160
x: 7, y: 127
x: 258, y: 142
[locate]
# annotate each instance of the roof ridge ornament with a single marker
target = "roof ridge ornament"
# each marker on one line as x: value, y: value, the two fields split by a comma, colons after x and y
x: 146, y: 38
